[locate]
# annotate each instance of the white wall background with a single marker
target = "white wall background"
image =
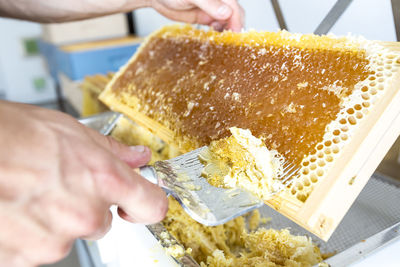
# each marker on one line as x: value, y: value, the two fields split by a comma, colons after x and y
x: 18, y: 70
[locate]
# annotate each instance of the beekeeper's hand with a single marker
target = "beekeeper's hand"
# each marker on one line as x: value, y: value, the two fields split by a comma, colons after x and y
x: 57, y: 182
x: 221, y: 14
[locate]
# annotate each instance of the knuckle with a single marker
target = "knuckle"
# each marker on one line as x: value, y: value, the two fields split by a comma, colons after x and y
x: 60, y: 251
x: 11, y: 258
x: 114, y: 145
x: 50, y: 252
x: 92, y: 223
x: 107, y: 176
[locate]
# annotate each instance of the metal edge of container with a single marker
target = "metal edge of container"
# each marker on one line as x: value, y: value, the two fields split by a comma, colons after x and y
x: 366, y: 247
x: 362, y: 249
x: 105, y: 123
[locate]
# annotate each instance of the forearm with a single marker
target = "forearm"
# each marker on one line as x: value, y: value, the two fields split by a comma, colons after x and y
x: 46, y: 11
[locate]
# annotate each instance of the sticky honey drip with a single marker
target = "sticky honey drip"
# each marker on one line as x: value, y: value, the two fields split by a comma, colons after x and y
x: 200, y: 84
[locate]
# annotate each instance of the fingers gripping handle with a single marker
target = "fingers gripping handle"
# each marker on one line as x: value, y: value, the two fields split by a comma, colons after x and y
x: 150, y: 174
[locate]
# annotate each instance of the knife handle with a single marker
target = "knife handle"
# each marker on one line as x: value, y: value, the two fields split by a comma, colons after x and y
x: 149, y: 173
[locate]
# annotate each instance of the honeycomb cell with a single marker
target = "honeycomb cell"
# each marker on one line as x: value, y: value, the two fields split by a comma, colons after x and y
x: 299, y: 186
x: 329, y: 158
x: 321, y: 163
x: 359, y: 115
x: 365, y: 96
x: 327, y: 151
x: 301, y: 197
x: 357, y: 107
x: 313, y: 166
x: 313, y: 178
x: 335, y: 149
x: 344, y: 137
x: 320, y: 172
x: 366, y: 104
x: 352, y: 120
x: 328, y: 143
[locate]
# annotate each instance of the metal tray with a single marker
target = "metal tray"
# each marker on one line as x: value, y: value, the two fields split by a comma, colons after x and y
x: 372, y: 222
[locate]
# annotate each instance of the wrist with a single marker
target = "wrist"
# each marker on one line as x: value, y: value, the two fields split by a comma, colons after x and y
x: 134, y: 4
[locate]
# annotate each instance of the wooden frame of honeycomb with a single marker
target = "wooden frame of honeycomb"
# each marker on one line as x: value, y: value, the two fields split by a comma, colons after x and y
x: 327, y: 104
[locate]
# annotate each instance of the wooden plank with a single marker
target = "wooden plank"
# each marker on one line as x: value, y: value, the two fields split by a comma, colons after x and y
x: 333, y: 196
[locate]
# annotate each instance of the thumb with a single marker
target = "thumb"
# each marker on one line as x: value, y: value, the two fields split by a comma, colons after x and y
x: 215, y: 8
x: 134, y: 156
x: 140, y: 200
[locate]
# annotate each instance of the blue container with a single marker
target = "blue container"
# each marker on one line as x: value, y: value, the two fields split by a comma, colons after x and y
x: 90, y: 59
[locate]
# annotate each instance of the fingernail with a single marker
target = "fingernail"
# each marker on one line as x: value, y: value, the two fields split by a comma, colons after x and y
x: 224, y: 11
x: 138, y: 149
x: 217, y: 26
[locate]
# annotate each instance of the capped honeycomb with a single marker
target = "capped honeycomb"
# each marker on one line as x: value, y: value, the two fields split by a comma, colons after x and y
x: 303, y: 95
x: 235, y: 243
x: 242, y: 160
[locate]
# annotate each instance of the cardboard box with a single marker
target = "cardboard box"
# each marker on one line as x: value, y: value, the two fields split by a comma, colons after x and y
x: 72, y: 92
x: 113, y: 26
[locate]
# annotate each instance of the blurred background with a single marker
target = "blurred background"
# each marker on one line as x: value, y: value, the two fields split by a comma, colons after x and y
x: 66, y: 66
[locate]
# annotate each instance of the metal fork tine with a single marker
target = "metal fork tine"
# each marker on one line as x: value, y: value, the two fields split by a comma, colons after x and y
x: 288, y: 170
x: 290, y: 175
